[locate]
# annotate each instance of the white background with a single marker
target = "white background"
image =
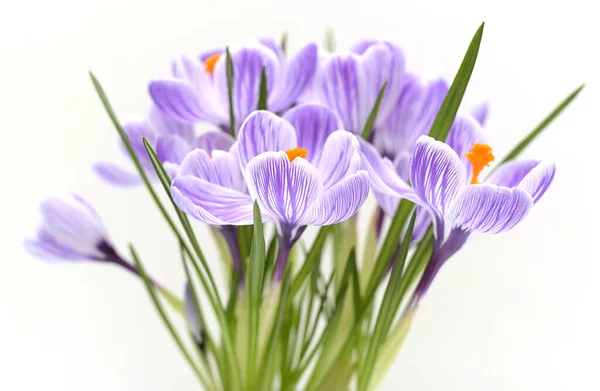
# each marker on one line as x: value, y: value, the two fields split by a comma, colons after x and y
x: 518, y: 311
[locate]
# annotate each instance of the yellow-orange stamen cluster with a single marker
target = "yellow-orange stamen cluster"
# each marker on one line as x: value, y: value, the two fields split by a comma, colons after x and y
x: 210, y: 62
x: 296, y: 152
x: 480, y: 156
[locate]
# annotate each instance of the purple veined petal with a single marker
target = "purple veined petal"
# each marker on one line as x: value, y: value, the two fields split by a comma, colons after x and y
x: 273, y: 45
x: 193, y: 72
x: 394, y: 79
x: 489, y: 208
x: 176, y: 99
x: 48, y: 250
x: 211, y: 203
x: 172, y: 169
x: 228, y: 170
x: 481, y: 112
x: 339, y: 202
x: 341, y: 154
x: 198, y: 163
x: 313, y: 124
x: 361, y: 46
x: 136, y: 131
x: 165, y: 125
x: 248, y: 63
x: 402, y: 165
x: 171, y: 149
x: 264, y: 131
x: 382, y: 174
x: 436, y: 174
x: 116, y: 175
x: 203, y: 56
x: 465, y: 132
x: 537, y: 181
x: 510, y: 174
x: 285, y: 190
x: 297, y: 75
x: 214, y: 140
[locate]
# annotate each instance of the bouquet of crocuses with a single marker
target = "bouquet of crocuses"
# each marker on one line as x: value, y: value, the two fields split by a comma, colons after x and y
x: 296, y: 145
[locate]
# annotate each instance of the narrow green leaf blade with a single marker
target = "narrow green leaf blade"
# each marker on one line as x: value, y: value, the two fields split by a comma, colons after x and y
x: 445, y: 117
x: 329, y: 41
x: 541, y: 127
x: 312, y: 258
x: 229, y: 73
x: 263, y: 92
x: 389, y: 307
x: 283, y: 43
x: 256, y: 272
x: 368, y: 128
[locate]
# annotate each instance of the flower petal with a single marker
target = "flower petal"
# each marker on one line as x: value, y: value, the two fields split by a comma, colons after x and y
x: 211, y: 203
x: 489, y: 208
x: 481, y: 112
x: 285, y: 190
x: 465, y: 132
x: 537, y: 181
x: 214, y: 140
x: 340, y: 157
x: 248, y: 63
x: 165, y: 125
x: 436, y: 173
x: 177, y: 99
x: 171, y: 149
x: 339, y: 202
x: 264, y: 131
x: 116, y: 175
x: 313, y: 124
x: 512, y: 173
x: 222, y: 168
x: 297, y: 75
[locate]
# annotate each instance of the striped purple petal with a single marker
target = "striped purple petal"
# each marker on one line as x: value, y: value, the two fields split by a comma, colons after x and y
x: 116, y: 175
x: 313, y: 124
x: 489, y: 208
x: 285, y: 189
x: 171, y: 148
x: 537, y: 181
x: 341, y: 157
x: 264, y: 131
x: 214, y: 140
x: 176, y: 99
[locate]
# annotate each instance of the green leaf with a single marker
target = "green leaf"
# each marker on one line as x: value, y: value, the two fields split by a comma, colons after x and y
x: 538, y: 130
x: 271, y: 254
x: 256, y: 272
x: 387, y: 312
x: 313, y: 256
x: 263, y: 94
x: 283, y: 43
x: 445, y: 117
x: 166, y: 319
x: 245, y: 240
x: 329, y: 42
x: 266, y: 367
x: 368, y: 128
x: 229, y: 73
x: 175, y: 302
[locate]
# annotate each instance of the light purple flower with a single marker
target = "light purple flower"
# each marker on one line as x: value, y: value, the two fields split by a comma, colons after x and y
x: 198, y: 89
x: 413, y: 115
x: 300, y: 169
x: 70, y: 230
x: 170, y: 139
x: 348, y: 83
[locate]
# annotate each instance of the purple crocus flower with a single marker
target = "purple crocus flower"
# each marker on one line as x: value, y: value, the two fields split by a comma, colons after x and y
x: 300, y: 169
x: 198, y: 89
x: 348, y: 83
x: 170, y: 139
x: 70, y: 230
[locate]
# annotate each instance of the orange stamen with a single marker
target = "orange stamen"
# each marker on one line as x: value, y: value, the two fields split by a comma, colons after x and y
x: 296, y: 152
x: 480, y: 156
x: 210, y: 62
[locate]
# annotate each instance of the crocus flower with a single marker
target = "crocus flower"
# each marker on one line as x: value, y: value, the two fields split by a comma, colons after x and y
x: 170, y: 139
x: 348, y: 82
x: 299, y: 168
x: 198, y: 89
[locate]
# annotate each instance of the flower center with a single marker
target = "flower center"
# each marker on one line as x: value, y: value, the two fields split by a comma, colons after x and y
x: 210, y: 62
x: 480, y: 156
x: 296, y: 152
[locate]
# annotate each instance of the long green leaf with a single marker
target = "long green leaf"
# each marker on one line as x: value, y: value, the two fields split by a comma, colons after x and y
x: 263, y: 91
x: 312, y: 258
x: 266, y: 367
x: 329, y: 39
x: 540, y: 128
x: 229, y: 73
x: 284, y: 42
x: 368, y: 128
x: 443, y: 121
x: 256, y: 272
x: 166, y: 319
x: 388, y: 310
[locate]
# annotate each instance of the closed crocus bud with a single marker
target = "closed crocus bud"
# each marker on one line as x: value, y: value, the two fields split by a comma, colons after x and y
x: 193, y: 318
x: 70, y: 230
